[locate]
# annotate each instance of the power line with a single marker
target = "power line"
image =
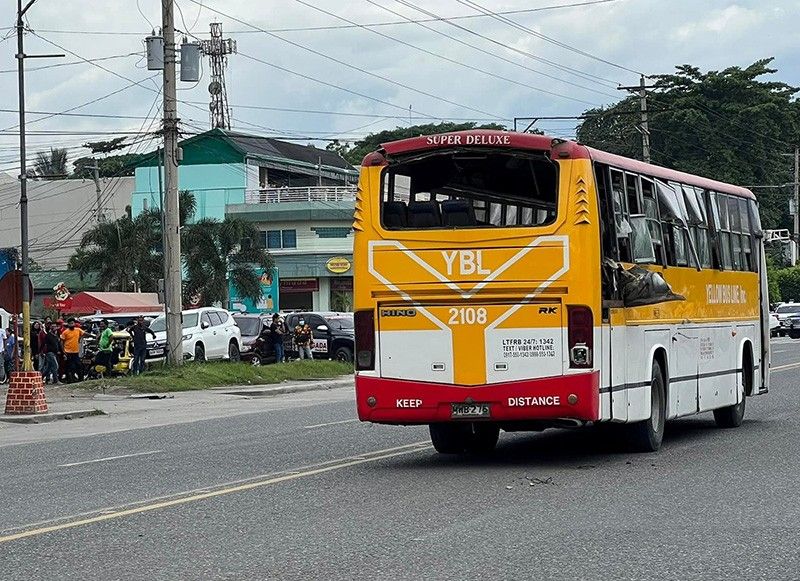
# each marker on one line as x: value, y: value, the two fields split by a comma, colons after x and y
x: 72, y: 63
x: 440, y: 56
x: 478, y: 48
x: 578, y: 73
x: 352, y: 66
x: 475, y: 6
x: 344, y: 27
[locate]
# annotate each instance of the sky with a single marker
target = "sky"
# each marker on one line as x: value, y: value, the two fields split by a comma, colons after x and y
x: 541, y: 58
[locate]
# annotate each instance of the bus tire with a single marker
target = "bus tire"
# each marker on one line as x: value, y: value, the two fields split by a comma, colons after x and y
x: 449, y: 438
x: 482, y: 438
x: 647, y: 435
x: 732, y: 416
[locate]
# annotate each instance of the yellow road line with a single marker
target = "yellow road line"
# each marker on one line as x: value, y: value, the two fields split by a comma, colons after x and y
x: 784, y: 367
x: 374, y: 456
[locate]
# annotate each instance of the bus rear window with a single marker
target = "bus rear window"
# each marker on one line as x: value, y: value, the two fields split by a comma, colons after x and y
x: 469, y: 189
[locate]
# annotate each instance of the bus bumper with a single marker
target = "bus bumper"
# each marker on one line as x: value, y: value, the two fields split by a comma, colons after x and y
x: 397, y: 401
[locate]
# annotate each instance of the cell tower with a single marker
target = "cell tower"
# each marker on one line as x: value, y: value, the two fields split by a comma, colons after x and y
x: 218, y: 49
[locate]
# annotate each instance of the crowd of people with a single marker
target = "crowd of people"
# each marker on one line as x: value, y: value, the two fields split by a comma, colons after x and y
x: 58, y: 348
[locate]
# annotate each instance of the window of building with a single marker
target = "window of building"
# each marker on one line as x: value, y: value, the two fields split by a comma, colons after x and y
x: 277, y: 239
x: 333, y: 231
x: 274, y: 239
x: 289, y: 238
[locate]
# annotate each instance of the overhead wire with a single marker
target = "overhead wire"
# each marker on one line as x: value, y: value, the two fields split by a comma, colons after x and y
x: 475, y: 6
x: 505, y: 46
x: 352, y: 66
x: 448, y: 59
x: 484, y: 51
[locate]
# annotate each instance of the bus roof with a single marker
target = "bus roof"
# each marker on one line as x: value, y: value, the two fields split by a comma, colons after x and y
x: 556, y: 148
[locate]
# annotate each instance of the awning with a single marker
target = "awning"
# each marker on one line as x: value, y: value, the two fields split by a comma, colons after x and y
x: 89, y: 302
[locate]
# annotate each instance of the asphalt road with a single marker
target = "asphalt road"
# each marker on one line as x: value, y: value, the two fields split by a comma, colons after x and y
x: 303, y: 491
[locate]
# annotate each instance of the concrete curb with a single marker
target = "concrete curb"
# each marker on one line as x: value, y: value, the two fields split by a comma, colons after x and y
x: 269, y: 390
x: 49, y: 417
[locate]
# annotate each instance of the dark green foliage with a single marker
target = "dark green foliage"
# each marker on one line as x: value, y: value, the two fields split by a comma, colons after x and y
x: 355, y: 153
x: 112, y: 166
x: 729, y: 125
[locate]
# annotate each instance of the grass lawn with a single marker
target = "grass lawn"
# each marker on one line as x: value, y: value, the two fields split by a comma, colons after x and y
x: 206, y: 375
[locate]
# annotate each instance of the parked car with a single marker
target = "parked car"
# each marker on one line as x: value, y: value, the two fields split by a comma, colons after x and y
x: 208, y: 333
x: 783, y: 311
x: 791, y: 325
x: 774, y: 325
x: 334, y: 336
x: 253, y: 350
x: 118, y: 318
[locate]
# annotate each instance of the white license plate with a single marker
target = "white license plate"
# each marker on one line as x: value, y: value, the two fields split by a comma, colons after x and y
x: 155, y: 352
x: 469, y: 410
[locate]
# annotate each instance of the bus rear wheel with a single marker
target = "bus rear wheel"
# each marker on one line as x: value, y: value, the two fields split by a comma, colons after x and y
x: 460, y: 438
x: 646, y: 436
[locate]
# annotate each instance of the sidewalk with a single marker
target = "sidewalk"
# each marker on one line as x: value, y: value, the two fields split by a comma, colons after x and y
x: 67, y: 402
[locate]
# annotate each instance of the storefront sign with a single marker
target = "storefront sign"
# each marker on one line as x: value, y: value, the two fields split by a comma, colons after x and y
x: 299, y: 285
x: 267, y: 303
x: 338, y: 264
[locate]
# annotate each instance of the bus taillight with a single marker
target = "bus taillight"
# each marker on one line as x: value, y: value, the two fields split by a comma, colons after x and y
x: 364, y: 322
x: 580, y: 334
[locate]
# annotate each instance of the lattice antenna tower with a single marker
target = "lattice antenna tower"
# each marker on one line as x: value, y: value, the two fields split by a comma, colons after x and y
x: 217, y: 49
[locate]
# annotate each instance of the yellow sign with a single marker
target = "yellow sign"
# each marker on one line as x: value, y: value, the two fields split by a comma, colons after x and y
x: 338, y: 265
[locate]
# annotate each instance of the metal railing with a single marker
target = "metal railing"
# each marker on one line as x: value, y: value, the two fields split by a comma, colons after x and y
x: 304, y: 194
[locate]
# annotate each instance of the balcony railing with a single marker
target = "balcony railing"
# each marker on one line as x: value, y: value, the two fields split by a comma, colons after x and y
x: 304, y: 194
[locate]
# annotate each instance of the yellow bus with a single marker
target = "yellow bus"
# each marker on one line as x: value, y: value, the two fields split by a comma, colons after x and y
x: 509, y: 281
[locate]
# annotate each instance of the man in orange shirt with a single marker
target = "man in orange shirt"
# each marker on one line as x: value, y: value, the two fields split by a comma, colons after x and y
x: 71, y: 339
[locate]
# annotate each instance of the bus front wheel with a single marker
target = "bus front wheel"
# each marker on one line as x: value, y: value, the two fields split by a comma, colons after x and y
x: 646, y: 436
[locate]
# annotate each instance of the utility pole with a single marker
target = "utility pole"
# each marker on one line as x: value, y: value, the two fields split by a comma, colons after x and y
x: 172, y: 242
x: 100, y: 216
x: 644, y: 128
x: 27, y: 364
x: 796, y: 236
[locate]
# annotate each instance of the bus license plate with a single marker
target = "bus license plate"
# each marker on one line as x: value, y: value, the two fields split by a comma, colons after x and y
x: 469, y: 410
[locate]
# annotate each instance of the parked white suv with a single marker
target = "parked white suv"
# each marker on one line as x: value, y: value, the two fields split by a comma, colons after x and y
x: 208, y: 333
x: 783, y: 311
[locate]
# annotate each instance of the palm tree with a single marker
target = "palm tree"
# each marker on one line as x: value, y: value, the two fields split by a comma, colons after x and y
x: 215, y: 250
x: 52, y: 165
x: 123, y: 252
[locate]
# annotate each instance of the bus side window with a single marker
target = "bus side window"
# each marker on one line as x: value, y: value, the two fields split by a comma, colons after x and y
x: 755, y: 234
x: 623, y: 227
x: 653, y: 219
x: 698, y: 223
x: 724, y: 230
x: 632, y: 194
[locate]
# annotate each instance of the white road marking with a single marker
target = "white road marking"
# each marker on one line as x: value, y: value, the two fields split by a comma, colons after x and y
x: 109, y: 458
x: 331, y: 424
x: 784, y: 367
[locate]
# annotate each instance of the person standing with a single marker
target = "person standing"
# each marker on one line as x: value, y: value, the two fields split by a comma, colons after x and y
x: 8, y: 352
x: 41, y: 338
x: 71, y: 339
x: 103, y: 356
x: 302, y: 338
x: 138, y: 332
x: 277, y: 332
x: 35, y: 330
x: 3, y: 377
x: 51, y: 348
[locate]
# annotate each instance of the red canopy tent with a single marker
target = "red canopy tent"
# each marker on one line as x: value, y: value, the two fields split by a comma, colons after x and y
x: 89, y: 302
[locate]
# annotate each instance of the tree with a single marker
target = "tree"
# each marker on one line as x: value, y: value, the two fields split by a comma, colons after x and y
x: 728, y: 125
x: 51, y: 165
x: 123, y: 252
x: 112, y: 166
x: 214, y: 250
x: 373, y: 141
